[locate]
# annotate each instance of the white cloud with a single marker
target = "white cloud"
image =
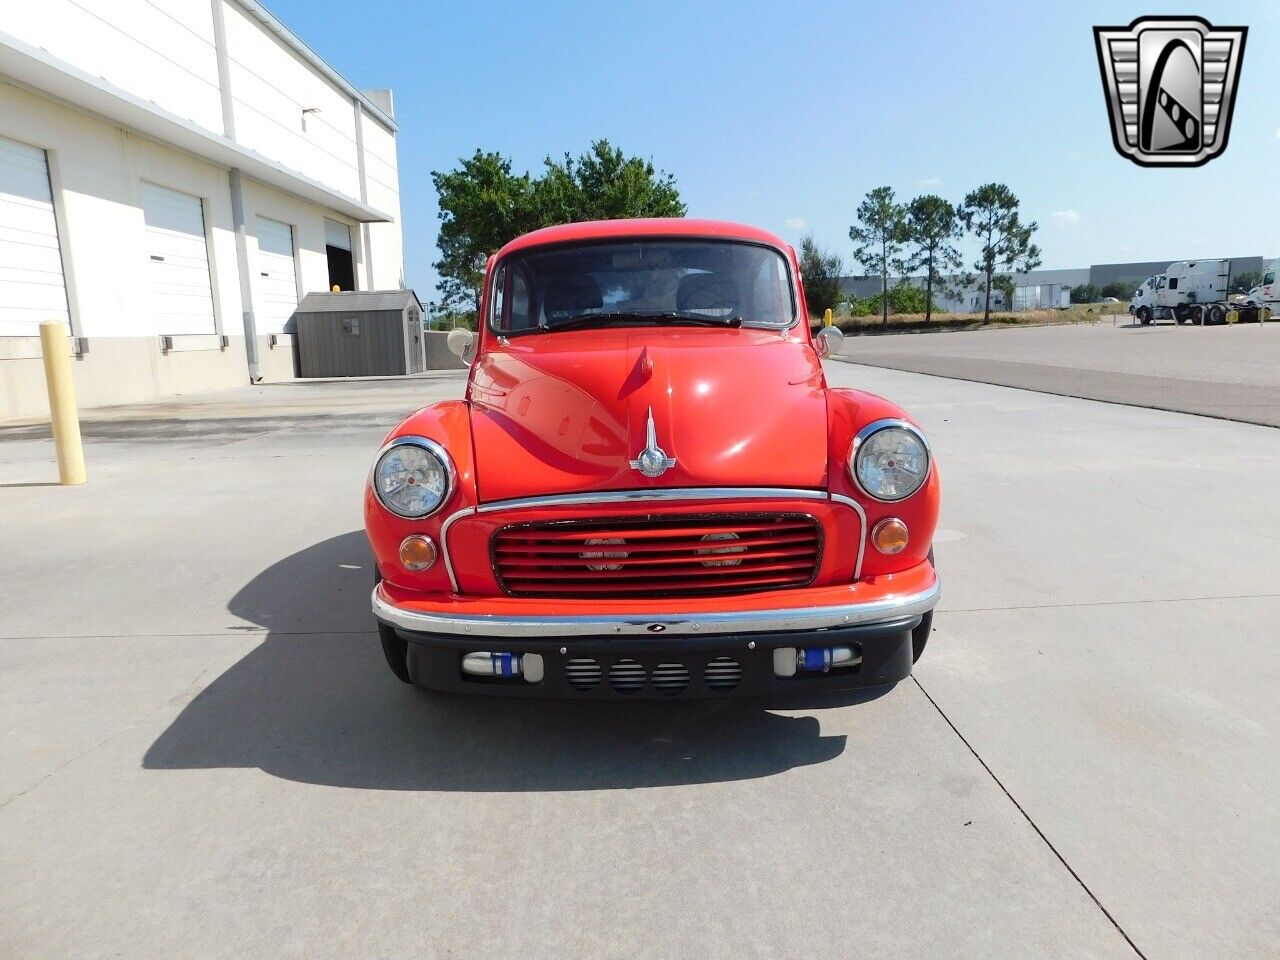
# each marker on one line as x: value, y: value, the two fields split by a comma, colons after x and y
x: 796, y: 223
x: 1278, y: 133
x: 930, y: 182
x: 1065, y: 218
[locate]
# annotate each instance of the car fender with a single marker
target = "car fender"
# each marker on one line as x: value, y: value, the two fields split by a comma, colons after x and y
x: 849, y: 411
x: 448, y: 424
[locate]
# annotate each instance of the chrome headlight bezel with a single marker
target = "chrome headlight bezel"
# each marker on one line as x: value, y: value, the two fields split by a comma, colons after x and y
x: 435, y: 450
x: 859, y: 444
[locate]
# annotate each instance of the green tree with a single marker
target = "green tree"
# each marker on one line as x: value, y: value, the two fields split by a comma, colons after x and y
x: 1004, y: 283
x: 878, y: 237
x: 990, y: 213
x: 932, y: 228
x: 483, y: 205
x: 1245, y: 281
x: 820, y: 270
x: 604, y: 184
x: 903, y: 298
x: 1085, y: 293
x: 1120, y: 289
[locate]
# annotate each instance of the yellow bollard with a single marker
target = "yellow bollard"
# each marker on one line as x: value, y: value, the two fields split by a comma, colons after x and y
x: 826, y: 317
x: 62, y: 402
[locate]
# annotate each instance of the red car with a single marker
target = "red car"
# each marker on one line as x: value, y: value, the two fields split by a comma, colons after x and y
x: 650, y: 490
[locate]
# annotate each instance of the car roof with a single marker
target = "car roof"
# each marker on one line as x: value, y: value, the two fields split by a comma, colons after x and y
x: 647, y: 228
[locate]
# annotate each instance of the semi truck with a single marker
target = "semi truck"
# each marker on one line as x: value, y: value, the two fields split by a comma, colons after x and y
x: 1196, y: 291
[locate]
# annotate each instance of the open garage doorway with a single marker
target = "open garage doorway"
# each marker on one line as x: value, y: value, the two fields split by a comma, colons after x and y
x: 337, y: 244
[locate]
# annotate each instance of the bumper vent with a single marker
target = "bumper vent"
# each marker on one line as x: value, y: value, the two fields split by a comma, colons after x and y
x: 662, y: 556
x: 582, y: 674
x: 626, y: 676
x: 670, y: 678
x: 722, y: 673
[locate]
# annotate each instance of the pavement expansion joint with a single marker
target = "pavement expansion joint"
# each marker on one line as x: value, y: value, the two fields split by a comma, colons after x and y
x: 1034, y: 826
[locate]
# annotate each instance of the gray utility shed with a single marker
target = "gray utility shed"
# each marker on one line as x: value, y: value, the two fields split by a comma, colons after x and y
x: 359, y: 334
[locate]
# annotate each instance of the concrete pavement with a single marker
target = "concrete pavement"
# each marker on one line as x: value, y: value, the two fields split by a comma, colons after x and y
x: 1230, y: 372
x: 205, y: 754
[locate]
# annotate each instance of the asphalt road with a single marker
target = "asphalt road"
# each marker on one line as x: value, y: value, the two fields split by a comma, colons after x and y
x: 204, y: 754
x: 1231, y: 372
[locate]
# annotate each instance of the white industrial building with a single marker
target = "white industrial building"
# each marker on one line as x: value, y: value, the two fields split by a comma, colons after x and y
x: 174, y: 176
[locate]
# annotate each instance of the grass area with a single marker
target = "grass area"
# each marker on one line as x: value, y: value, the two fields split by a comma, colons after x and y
x: 915, y: 322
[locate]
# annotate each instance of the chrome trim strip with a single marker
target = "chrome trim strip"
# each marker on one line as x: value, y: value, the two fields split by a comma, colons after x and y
x: 444, y: 543
x: 862, y: 538
x: 875, y: 426
x: 634, y: 624
x: 654, y: 493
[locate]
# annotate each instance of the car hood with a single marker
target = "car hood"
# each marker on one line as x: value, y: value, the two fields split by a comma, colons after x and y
x: 567, y: 412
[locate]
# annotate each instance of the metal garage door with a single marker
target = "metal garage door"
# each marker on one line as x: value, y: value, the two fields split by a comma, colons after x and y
x: 276, y: 281
x: 177, y: 262
x: 337, y: 234
x: 31, y: 284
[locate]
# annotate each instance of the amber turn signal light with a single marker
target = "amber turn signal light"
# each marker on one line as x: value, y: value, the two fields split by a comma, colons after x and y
x: 889, y: 535
x: 417, y: 552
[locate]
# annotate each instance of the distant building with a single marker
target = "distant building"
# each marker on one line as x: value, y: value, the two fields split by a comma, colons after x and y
x: 970, y: 299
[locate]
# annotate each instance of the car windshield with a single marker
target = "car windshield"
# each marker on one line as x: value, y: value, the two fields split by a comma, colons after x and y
x: 642, y: 282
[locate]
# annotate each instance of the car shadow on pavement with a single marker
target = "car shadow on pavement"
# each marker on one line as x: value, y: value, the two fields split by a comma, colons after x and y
x: 323, y: 708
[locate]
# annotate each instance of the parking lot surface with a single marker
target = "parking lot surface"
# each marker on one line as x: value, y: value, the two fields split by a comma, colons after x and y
x: 205, y: 755
x: 1232, y: 372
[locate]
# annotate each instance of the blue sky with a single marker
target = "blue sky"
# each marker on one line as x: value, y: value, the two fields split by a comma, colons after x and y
x: 783, y: 115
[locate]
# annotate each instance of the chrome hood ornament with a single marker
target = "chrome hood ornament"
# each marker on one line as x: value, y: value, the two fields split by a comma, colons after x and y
x: 653, y: 461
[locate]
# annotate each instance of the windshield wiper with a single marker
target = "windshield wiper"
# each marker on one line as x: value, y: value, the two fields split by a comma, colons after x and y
x: 666, y: 317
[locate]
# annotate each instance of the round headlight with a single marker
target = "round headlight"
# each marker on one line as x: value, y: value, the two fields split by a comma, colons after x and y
x: 413, y: 477
x: 889, y: 460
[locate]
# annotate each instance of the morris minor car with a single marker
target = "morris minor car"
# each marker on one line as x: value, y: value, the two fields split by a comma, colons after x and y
x: 649, y: 489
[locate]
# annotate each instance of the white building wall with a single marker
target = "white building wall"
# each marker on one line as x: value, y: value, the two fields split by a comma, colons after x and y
x: 270, y: 89
x: 98, y: 170
x: 163, y: 51
x: 382, y: 177
x: 160, y: 50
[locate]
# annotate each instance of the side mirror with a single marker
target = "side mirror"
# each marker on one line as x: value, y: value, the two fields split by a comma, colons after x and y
x: 462, y: 342
x: 828, y: 341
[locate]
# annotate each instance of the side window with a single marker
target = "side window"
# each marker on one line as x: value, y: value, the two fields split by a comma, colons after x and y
x: 1270, y: 278
x: 511, y: 306
x: 500, y: 300
x: 1173, y: 283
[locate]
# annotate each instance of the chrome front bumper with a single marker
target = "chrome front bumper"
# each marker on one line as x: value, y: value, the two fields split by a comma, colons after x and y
x: 894, y: 607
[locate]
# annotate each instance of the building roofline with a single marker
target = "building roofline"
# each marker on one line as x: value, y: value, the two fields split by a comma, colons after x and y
x: 290, y: 39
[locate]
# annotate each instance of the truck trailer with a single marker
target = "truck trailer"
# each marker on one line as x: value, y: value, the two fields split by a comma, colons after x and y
x: 1198, y: 291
